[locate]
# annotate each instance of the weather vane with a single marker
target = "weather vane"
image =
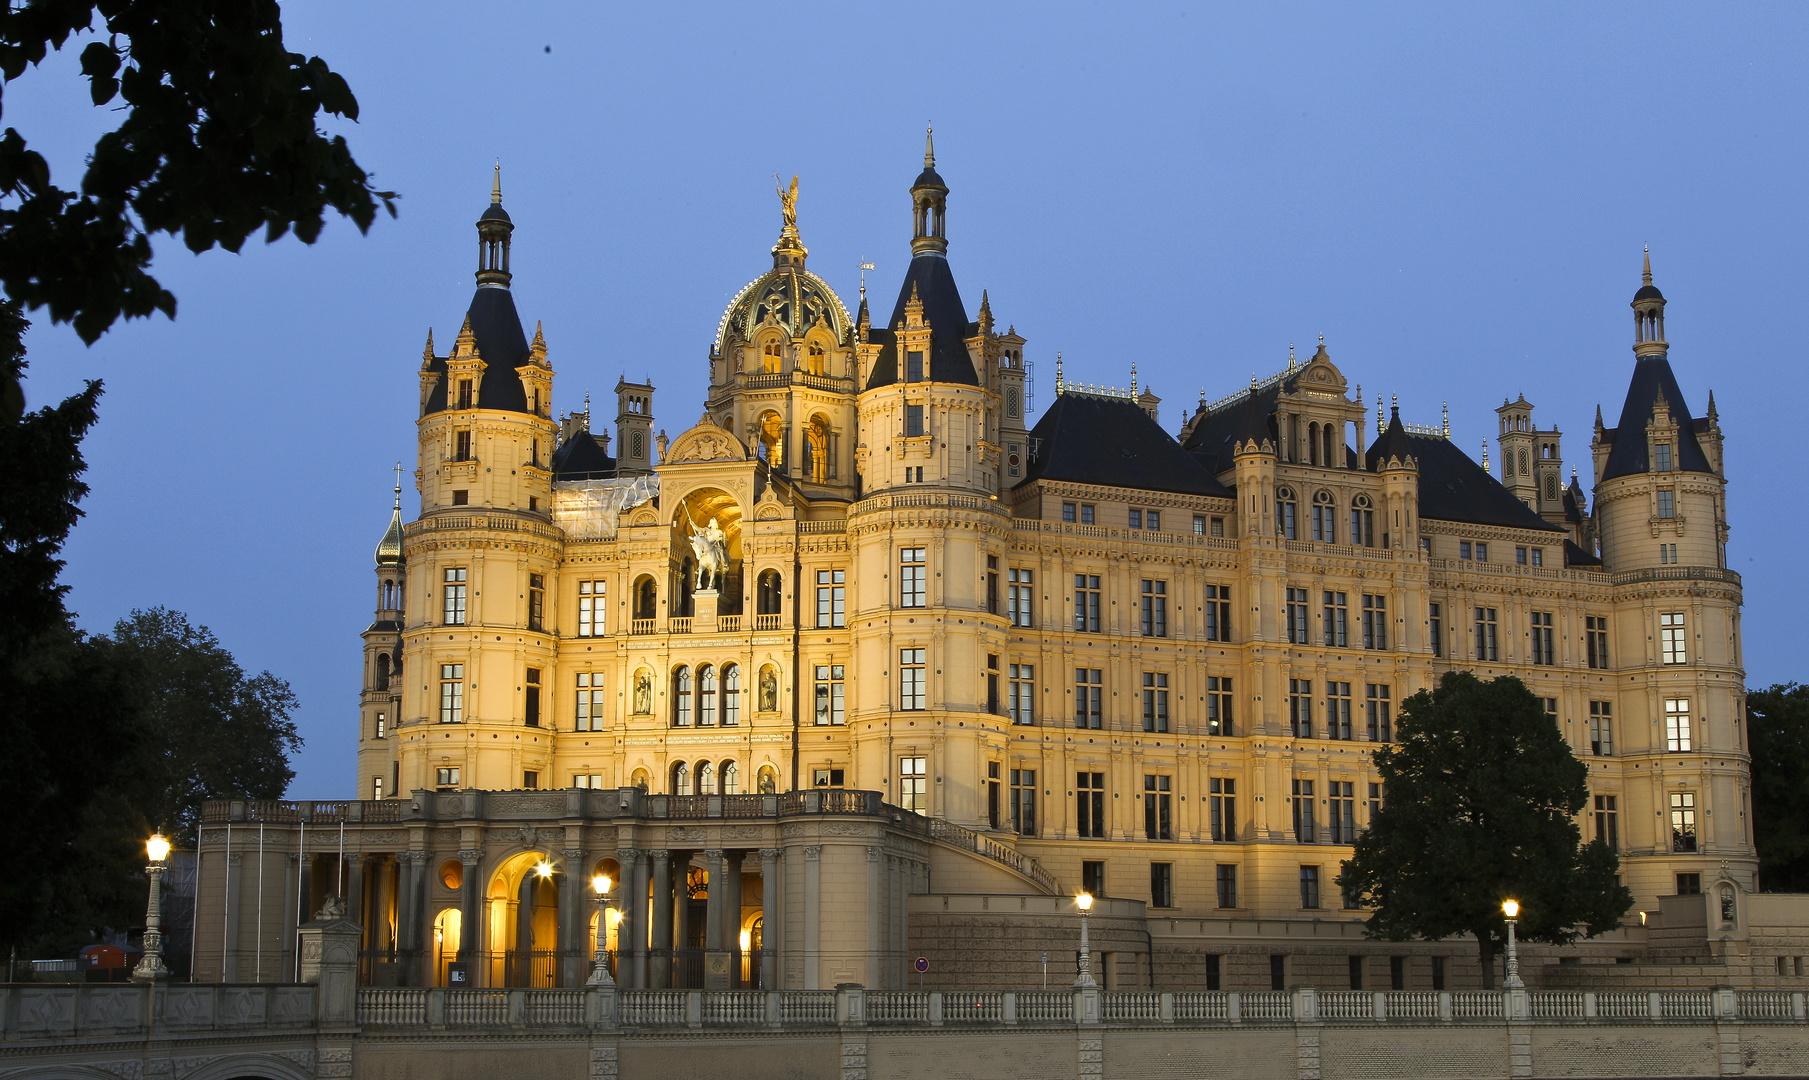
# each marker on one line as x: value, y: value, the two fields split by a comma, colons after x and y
x: 865, y: 266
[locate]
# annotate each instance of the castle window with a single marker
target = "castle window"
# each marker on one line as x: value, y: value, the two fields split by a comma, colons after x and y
x: 1021, y: 702
x: 1661, y: 457
x: 912, y: 575
x: 446, y: 779
x: 1362, y: 522
x: 1543, y: 651
x: 769, y: 358
x: 382, y: 671
x: 461, y: 446
x: 706, y: 778
x: 913, y: 421
x: 646, y: 597
x: 1218, y: 613
x: 531, y: 698
x: 1218, y: 706
x: 914, y: 366
x: 1667, y: 504
x: 591, y: 608
x: 767, y: 593
x: 913, y: 785
x: 536, y: 601
x: 452, y: 693
x: 1324, y: 518
x: 530, y: 779
x: 1337, y: 620
x: 1087, y: 513
x: 1601, y: 728
x: 1375, y: 621
x: 1136, y: 518
x: 381, y: 728
x: 1294, y: 627
x: 1379, y: 708
x: 706, y: 697
x: 1677, y: 725
x: 1674, y: 648
x: 1304, y: 831
x: 1086, y: 603
x: 1155, y: 701
x: 1343, y: 816
x: 681, y: 697
x: 461, y: 497
x: 1300, y: 708
x: 1436, y: 628
x: 1683, y: 825
x: 1337, y: 711
x: 831, y: 695
x: 1285, y: 514
x: 1158, y: 821
x: 1224, y: 822
x: 731, y: 695
x: 911, y: 679
x: 1595, y: 637
x: 465, y: 393
x: 681, y: 778
x: 590, y: 702
x: 1488, y: 645
x: 1089, y: 811
x: 832, y: 598
x: 1155, y: 608
x: 813, y: 360
x: 1068, y: 512
x: 454, y: 600
x: 1607, y: 825
x: 1088, y: 697
x: 1023, y: 801
x: 730, y: 774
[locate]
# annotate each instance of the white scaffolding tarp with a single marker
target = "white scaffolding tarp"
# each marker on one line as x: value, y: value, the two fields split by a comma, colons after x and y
x: 589, y: 509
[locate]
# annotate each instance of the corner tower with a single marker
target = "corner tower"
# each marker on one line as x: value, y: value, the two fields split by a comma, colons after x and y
x: 378, y: 771
x: 479, y: 631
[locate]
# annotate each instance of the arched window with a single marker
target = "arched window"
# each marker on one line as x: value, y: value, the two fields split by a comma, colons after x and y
x: 1329, y: 460
x: 771, y: 434
x: 731, y: 695
x: 767, y: 781
x: 1324, y: 524
x: 770, y: 357
x: 383, y: 671
x: 816, y: 449
x: 706, y: 778
x: 681, y: 697
x: 681, y: 779
x: 1551, y: 487
x: 392, y: 596
x: 1312, y: 444
x: 766, y: 600
x: 813, y: 359
x: 1507, y: 463
x: 1286, y: 514
x: 646, y: 598
x: 706, y: 696
x: 731, y: 778
x: 1523, y: 465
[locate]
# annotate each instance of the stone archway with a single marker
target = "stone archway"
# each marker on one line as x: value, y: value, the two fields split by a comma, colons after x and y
x: 521, y: 916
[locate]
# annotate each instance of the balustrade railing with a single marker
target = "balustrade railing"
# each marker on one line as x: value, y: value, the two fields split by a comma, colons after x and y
x: 767, y: 622
x: 642, y: 626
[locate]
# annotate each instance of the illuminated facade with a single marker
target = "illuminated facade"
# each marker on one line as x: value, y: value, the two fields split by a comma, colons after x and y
x: 1084, y: 653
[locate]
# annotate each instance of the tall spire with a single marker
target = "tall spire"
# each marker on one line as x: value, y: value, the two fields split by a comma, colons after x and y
x: 389, y: 549
x: 929, y: 147
x: 496, y: 185
x: 1646, y: 276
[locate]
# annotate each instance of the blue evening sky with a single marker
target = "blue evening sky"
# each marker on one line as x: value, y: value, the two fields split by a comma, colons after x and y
x: 1454, y: 195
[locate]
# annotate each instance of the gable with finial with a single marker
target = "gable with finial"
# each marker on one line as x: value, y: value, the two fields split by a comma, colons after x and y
x: 706, y: 442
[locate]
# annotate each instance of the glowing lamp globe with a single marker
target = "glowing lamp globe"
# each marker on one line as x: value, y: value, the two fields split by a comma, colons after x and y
x: 1510, y: 908
x: 157, y: 847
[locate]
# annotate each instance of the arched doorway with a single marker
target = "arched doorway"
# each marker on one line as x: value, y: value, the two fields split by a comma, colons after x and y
x: 445, y: 943
x: 522, y: 909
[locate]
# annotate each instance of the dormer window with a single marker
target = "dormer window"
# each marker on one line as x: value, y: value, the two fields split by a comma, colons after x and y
x: 1661, y: 457
x: 465, y: 393
x: 914, y: 366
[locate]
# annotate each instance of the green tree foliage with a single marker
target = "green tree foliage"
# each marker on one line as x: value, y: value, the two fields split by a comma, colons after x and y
x: 1777, y: 725
x: 215, y: 732
x: 1481, y: 794
x: 217, y: 139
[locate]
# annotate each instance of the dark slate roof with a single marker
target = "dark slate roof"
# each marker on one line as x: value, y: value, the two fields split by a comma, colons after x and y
x: 949, y: 326
x: 1573, y: 501
x: 1652, y: 376
x: 503, y: 347
x: 1648, y: 292
x: 581, y: 457
x: 494, y: 212
x: 930, y: 178
x: 1213, y: 438
x: 1112, y: 442
x: 1455, y: 488
x: 1394, y: 442
x: 1576, y: 556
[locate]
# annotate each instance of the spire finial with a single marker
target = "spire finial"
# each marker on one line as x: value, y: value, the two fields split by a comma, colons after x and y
x: 1485, y: 455
x: 1058, y: 371
x: 865, y: 266
x: 496, y: 185
x: 1133, y: 378
x: 1379, y: 419
x: 1290, y: 356
x: 929, y: 146
x: 398, y: 487
x: 1445, y: 423
x: 1647, y: 275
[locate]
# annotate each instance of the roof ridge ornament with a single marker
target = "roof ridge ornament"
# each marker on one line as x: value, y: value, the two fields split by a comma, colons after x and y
x: 1646, y: 274
x: 496, y: 185
x: 929, y: 146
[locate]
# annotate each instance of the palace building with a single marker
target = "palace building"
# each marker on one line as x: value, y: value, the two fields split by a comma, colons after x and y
x: 868, y: 663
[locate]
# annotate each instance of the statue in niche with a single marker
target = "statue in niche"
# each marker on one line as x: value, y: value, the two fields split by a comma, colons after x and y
x: 643, y: 693
x: 1727, y: 905
x: 711, y: 545
x: 769, y: 690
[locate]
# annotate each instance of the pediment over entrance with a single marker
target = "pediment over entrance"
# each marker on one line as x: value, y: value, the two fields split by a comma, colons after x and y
x: 706, y: 442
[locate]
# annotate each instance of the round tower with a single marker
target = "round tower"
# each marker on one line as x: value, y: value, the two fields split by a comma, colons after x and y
x: 482, y: 556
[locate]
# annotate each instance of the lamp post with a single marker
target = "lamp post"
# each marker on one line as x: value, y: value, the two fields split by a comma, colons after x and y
x: 1511, y: 908
x: 1085, y: 979
x: 599, y: 972
x: 150, y: 966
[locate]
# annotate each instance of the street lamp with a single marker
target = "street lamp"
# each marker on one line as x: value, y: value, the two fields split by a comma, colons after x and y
x: 1084, y: 902
x: 150, y: 966
x: 1511, y: 908
x: 599, y: 972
